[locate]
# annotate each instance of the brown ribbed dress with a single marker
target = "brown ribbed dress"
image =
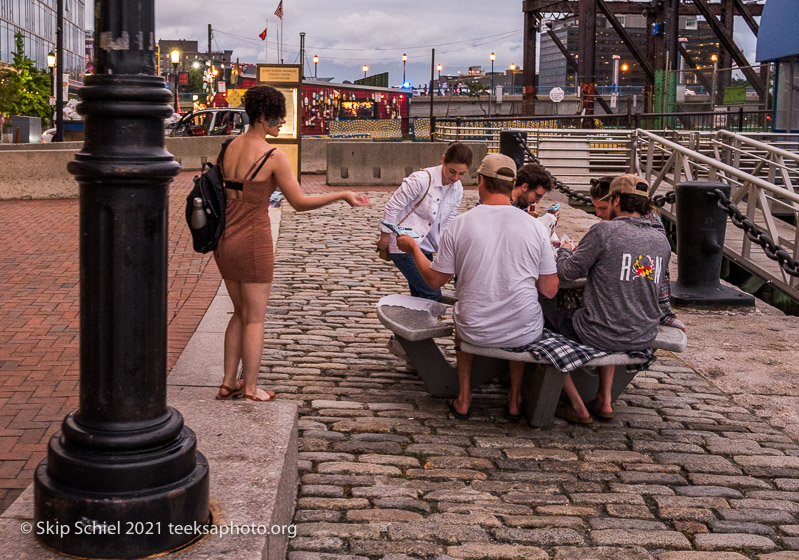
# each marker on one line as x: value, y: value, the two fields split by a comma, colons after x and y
x: 245, y: 252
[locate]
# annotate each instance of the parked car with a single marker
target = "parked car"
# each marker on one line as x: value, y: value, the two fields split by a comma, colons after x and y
x: 212, y: 122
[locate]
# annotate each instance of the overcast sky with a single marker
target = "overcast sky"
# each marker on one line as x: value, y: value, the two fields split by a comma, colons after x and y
x: 348, y: 34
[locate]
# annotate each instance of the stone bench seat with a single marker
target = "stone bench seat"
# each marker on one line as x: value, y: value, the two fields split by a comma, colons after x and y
x: 416, y: 331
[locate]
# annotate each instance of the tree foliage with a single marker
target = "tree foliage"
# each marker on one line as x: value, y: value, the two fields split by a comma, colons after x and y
x: 24, y: 90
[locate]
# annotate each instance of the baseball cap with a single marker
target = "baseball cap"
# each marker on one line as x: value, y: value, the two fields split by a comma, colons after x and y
x: 628, y: 184
x: 498, y: 166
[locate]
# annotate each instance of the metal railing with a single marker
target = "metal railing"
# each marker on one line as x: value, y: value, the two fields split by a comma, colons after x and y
x: 485, y: 129
x: 665, y: 163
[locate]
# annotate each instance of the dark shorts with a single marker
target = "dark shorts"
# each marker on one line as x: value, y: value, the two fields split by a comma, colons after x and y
x: 560, y: 321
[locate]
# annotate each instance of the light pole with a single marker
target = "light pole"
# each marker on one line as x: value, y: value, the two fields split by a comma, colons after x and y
x: 175, y: 56
x: 404, y: 60
x: 715, y: 59
x: 315, y: 64
x: 616, y: 62
x: 439, y: 67
x: 59, y: 65
x: 365, y: 70
x: 51, y: 66
x: 493, y: 57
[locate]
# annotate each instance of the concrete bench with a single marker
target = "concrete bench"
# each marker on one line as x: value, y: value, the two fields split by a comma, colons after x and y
x: 416, y: 331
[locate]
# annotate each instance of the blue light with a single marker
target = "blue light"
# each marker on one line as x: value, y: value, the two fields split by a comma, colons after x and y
x: 406, y: 85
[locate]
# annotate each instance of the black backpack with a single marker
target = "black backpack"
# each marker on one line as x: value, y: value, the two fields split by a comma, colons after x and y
x: 210, y: 187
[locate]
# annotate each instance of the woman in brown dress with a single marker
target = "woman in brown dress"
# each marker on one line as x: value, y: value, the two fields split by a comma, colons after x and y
x: 245, y: 257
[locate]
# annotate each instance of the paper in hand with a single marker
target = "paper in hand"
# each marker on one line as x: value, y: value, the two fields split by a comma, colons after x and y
x: 400, y: 230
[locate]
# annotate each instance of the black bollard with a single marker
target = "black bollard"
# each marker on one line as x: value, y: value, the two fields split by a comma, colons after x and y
x: 124, y: 471
x: 701, y: 226
x: 509, y: 145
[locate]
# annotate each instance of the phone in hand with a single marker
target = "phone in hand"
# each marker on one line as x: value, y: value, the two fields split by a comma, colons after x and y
x: 400, y: 230
x: 553, y: 208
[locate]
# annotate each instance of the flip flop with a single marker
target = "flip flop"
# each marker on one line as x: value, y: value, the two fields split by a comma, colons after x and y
x: 512, y: 417
x: 231, y: 393
x: 454, y: 411
x: 594, y: 409
x: 565, y: 411
x: 256, y: 398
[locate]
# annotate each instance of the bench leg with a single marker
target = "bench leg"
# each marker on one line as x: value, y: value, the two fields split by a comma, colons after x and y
x: 587, y: 382
x: 440, y: 378
x: 540, y: 393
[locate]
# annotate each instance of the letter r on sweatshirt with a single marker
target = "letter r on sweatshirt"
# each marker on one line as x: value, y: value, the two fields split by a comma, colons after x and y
x: 626, y: 266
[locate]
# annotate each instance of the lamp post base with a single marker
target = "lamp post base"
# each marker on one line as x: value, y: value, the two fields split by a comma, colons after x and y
x: 123, y: 524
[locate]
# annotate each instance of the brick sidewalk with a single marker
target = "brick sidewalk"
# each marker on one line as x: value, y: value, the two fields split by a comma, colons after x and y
x: 39, y: 307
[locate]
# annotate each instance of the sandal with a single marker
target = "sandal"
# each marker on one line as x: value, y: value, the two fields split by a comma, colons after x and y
x: 594, y: 409
x: 565, y: 411
x: 256, y: 398
x: 454, y: 411
x: 512, y: 417
x: 230, y: 393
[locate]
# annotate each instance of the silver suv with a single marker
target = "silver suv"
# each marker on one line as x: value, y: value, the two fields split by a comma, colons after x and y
x: 212, y: 122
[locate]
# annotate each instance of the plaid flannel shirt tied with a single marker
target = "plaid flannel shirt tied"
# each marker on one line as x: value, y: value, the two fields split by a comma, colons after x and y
x: 567, y: 355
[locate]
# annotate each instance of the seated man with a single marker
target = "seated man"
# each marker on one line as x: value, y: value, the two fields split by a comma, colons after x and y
x: 624, y: 259
x: 599, y: 192
x: 503, y: 258
x: 532, y: 183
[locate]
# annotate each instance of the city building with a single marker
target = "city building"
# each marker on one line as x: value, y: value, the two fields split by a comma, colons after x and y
x: 698, y: 40
x: 36, y: 20
x: 189, y: 53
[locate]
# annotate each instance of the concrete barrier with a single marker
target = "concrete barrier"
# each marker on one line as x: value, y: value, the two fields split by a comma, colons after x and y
x: 381, y: 163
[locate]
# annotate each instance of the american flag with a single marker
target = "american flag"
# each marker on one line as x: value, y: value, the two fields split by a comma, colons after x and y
x: 279, y: 11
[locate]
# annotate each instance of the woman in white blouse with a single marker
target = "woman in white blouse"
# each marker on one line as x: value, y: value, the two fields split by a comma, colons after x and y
x: 426, y: 202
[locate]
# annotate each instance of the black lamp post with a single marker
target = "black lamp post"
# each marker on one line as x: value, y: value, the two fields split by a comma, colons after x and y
x: 59, y: 65
x: 124, y: 457
x: 439, y: 67
x: 315, y: 64
x: 512, y: 78
x: 404, y: 60
x: 175, y: 57
x: 51, y: 66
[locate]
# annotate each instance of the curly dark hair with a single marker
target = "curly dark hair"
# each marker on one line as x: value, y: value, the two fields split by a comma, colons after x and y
x: 264, y: 101
x: 534, y: 175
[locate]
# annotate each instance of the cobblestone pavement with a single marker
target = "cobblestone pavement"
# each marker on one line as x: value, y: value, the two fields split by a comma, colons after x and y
x: 387, y: 474
x: 39, y: 307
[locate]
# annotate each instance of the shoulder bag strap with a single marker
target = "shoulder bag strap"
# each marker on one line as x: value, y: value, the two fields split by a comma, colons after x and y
x: 429, y: 183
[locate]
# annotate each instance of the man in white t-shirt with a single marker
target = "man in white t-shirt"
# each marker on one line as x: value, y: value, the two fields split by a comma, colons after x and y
x: 503, y: 259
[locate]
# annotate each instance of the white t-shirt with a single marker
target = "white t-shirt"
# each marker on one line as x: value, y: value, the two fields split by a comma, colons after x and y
x: 498, y: 252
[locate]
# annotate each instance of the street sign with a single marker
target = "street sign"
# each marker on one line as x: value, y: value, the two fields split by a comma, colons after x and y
x: 52, y: 100
x: 556, y: 94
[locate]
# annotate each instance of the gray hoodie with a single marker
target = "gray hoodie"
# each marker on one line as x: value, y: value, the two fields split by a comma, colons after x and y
x: 624, y: 260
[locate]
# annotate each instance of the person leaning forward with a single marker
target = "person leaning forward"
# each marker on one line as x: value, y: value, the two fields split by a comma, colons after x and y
x: 624, y: 260
x: 503, y: 259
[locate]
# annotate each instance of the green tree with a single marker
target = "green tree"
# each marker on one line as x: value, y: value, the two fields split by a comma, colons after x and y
x: 24, y: 90
x: 195, y: 80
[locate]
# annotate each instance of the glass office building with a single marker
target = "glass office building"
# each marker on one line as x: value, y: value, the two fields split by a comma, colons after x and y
x: 36, y: 20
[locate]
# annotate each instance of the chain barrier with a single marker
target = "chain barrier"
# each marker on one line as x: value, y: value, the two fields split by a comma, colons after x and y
x: 660, y: 200
x: 557, y: 183
x: 771, y: 249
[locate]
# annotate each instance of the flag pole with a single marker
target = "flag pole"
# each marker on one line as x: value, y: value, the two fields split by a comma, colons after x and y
x: 266, y: 43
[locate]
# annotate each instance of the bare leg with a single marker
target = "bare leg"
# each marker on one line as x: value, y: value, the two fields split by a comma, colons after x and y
x: 515, y: 393
x: 244, y: 337
x: 603, y: 398
x: 575, y: 401
x: 464, y: 401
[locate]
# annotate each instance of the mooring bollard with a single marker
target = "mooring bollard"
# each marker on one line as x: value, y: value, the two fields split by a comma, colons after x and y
x: 510, y: 146
x: 701, y: 226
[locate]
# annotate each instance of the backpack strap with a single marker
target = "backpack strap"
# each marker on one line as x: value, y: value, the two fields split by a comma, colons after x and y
x: 221, y: 157
x: 262, y: 159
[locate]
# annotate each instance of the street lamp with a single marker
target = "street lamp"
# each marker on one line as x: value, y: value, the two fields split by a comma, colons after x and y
x: 365, y: 70
x: 315, y: 63
x: 493, y: 57
x: 404, y: 60
x: 51, y: 66
x: 175, y: 56
x: 439, y: 67
x: 512, y: 77
x: 616, y: 62
x: 715, y: 59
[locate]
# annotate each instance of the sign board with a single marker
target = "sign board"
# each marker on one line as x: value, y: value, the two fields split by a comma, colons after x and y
x: 52, y: 101
x: 720, y: 117
x: 556, y: 94
x: 735, y: 95
x: 234, y: 97
x: 221, y: 87
x: 285, y: 78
